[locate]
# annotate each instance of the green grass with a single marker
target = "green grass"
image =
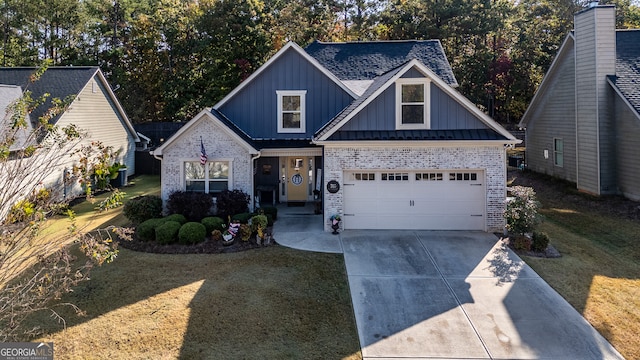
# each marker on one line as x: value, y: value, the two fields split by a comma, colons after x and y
x: 599, y: 271
x: 270, y: 303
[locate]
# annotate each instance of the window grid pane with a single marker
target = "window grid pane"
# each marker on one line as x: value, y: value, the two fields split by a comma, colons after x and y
x: 413, y: 93
x: 291, y: 120
x: 291, y: 103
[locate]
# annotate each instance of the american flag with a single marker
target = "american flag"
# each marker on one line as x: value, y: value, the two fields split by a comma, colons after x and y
x: 203, y: 154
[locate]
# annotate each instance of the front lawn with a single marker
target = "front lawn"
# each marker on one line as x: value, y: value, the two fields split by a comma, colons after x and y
x: 599, y: 271
x: 269, y: 303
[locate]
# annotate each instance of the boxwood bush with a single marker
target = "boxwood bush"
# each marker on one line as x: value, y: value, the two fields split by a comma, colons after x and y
x: 142, y: 208
x: 539, y: 242
x: 192, y: 233
x: 194, y: 206
x: 213, y: 223
x: 243, y: 218
x: 167, y: 233
x: 146, y: 231
x: 270, y: 210
x: 179, y: 218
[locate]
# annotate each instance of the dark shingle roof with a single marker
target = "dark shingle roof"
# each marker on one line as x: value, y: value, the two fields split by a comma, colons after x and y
x: 368, y: 60
x: 231, y: 125
x: 459, y: 134
x: 282, y: 143
x: 59, y: 82
x: 627, y: 78
x: 375, y: 86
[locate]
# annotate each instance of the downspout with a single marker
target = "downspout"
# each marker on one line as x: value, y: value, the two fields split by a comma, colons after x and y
x: 253, y: 180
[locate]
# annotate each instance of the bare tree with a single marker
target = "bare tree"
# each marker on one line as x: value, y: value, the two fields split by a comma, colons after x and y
x: 37, y: 161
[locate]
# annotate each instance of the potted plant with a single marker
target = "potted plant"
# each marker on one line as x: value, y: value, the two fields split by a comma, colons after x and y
x: 335, y: 223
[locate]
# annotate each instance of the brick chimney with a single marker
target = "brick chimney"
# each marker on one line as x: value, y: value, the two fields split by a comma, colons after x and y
x: 595, y: 55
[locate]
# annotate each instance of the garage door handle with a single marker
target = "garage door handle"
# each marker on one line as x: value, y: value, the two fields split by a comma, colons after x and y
x: 349, y: 184
x: 475, y: 184
x: 476, y: 215
x: 348, y: 214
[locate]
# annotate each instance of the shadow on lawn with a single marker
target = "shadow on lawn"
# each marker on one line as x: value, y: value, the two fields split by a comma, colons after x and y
x: 267, y: 303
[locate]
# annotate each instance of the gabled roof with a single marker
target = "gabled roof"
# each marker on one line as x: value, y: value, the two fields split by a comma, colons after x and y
x: 293, y: 47
x: 60, y: 82
x: 223, y: 123
x: 368, y: 60
x: 8, y: 95
x: 626, y: 82
x: 627, y: 78
x: 383, y: 82
x: 547, y: 79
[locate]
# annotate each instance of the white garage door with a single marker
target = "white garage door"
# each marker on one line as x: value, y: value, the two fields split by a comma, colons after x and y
x: 433, y: 200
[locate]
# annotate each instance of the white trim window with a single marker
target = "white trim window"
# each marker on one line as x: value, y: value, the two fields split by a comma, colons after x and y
x: 558, y: 152
x: 412, y: 104
x: 212, y: 178
x: 291, y: 111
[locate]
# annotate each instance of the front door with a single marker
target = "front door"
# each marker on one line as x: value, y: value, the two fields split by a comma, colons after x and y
x: 297, y: 178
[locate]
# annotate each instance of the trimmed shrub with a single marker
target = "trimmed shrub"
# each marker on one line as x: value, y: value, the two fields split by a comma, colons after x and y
x: 521, y: 243
x: 167, y: 233
x: 540, y: 241
x: 231, y: 202
x: 146, y: 231
x: 243, y: 218
x: 194, y: 206
x: 213, y: 223
x: 521, y: 211
x: 245, y: 232
x: 259, y: 221
x: 179, y: 218
x: 192, y: 233
x: 142, y: 208
x: 216, y: 235
x: 269, y: 219
x: 270, y: 210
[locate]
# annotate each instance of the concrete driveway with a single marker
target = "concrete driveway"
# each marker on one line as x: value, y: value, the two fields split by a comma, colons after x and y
x: 458, y: 295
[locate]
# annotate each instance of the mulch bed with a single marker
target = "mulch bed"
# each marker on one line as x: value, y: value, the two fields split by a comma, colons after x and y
x: 550, y: 252
x: 206, y: 247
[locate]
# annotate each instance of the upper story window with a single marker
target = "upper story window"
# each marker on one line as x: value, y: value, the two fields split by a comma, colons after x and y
x: 291, y: 111
x: 412, y: 104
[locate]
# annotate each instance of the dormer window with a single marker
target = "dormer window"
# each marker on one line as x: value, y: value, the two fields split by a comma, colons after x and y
x: 412, y: 104
x: 291, y: 111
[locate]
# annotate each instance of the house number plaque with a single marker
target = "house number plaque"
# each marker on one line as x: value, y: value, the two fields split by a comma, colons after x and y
x: 333, y: 186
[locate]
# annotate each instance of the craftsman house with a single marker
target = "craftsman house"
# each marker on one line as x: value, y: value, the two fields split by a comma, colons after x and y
x: 583, y: 123
x: 94, y: 109
x: 375, y: 130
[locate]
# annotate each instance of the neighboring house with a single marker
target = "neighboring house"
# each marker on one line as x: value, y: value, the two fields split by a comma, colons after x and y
x: 583, y: 123
x: 375, y: 127
x: 94, y: 109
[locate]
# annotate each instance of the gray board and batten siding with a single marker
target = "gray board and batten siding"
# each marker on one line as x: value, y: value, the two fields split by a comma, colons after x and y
x: 555, y: 118
x: 627, y: 110
x: 254, y: 108
x: 445, y: 113
x: 628, y: 159
x: 595, y: 59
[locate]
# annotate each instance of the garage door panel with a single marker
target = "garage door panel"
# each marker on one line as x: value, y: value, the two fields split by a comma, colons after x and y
x: 449, y: 222
x: 438, y: 200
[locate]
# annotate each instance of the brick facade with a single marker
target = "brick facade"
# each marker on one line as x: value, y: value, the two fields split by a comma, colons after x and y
x: 491, y: 159
x: 218, y: 145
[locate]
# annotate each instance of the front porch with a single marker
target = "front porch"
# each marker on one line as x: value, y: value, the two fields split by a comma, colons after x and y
x: 299, y: 227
